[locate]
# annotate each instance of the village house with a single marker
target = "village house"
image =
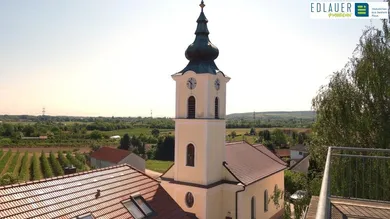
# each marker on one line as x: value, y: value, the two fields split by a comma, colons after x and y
x: 107, y: 156
x: 301, y: 165
x: 283, y: 153
x: 298, y: 151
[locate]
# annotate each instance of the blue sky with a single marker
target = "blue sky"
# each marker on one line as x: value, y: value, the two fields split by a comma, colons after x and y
x: 116, y: 58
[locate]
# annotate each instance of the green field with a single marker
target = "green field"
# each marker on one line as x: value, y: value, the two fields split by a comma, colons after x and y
x: 158, y: 165
x: 26, y: 166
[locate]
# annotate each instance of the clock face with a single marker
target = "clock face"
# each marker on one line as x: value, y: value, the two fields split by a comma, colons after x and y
x: 217, y: 84
x: 191, y: 83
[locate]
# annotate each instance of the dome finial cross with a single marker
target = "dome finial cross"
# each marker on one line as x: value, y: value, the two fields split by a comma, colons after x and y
x: 202, y: 5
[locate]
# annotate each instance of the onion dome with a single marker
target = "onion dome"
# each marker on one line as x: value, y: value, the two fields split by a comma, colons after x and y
x: 201, y: 53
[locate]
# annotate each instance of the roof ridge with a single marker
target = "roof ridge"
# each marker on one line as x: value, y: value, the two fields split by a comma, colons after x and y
x: 235, y: 142
x: 283, y: 163
x: 300, y: 161
x: 143, y: 173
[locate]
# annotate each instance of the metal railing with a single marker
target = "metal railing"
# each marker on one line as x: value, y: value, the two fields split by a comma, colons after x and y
x: 352, y: 183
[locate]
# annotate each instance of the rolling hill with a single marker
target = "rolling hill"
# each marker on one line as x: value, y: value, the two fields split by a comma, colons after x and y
x: 286, y: 115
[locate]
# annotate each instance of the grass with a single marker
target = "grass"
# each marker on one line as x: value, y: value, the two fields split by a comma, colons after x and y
x: 136, y: 131
x: 158, y: 165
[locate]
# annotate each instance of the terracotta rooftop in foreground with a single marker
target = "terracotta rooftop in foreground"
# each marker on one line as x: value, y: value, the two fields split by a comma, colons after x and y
x: 74, y: 195
x: 250, y: 164
x: 351, y: 208
x: 112, y: 155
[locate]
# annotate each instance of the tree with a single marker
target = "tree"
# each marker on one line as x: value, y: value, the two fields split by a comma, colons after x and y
x: 155, y: 132
x: 125, y: 142
x: 233, y: 134
x: 28, y: 130
x: 166, y: 148
x: 95, y: 147
x: 294, y: 181
x: 136, y: 141
x: 278, y: 137
x: 252, y: 131
x: 354, y: 110
x: 8, y: 130
x: 266, y: 135
x: 96, y: 135
x: 151, y: 153
x: 301, y: 137
x: 141, y: 149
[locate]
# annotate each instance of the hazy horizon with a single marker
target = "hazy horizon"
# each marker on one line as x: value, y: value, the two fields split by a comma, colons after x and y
x: 155, y: 116
x: 94, y: 58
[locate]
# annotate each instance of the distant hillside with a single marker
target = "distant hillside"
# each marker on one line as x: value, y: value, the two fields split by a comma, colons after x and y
x: 285, y: 115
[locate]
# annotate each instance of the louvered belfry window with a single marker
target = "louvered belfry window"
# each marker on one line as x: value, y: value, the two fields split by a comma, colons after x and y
x: 190, y: 155
x: 191, y: 107
x: 216, y: 107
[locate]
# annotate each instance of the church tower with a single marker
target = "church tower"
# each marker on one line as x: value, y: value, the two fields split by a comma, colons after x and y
x: 200, y: 129
x: 200, y: 112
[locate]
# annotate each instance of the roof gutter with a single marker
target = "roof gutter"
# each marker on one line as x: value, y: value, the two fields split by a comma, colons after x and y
x: 237, y: 200
x: 243, y: 185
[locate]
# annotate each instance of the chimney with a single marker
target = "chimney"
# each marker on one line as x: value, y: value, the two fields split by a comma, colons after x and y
x: 69, y: 170
x: 97, y: 193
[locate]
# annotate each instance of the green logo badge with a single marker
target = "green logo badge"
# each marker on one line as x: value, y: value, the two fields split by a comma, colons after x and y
x: 361, y: 9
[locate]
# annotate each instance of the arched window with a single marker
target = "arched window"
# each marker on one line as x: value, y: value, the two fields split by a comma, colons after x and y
x: 265, y: 200
x: 190, y: 155
x: 191, y: 107
x: 216, y: 107
x: 253, y: 207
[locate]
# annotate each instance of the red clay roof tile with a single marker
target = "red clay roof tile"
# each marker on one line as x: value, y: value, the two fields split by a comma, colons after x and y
x: 249, y: 164
x: 112, y: 155
x: 282, y: 152
x: 73, y: 195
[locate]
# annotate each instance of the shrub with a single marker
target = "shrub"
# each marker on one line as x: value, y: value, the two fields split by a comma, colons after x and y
x: 47, y: 171
x: 5, y: 159
x: 8, y: 179
x: 36, y: 168
x: 62, y: 159
x: 14, y: 161
x: 81, y: 158
x: 75, y: 162
x: 56, y: 166
x: 23, y: 174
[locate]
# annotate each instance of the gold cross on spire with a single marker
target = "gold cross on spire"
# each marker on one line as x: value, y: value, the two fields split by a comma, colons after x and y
x: 202, y: 5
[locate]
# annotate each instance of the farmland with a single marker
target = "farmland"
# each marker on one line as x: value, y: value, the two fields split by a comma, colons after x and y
x: 20, y: 166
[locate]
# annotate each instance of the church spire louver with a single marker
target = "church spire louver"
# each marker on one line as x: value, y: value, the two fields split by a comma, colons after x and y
x: 201, y: 53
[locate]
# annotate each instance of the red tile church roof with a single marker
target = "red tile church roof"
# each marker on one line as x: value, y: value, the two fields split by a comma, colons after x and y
x: 73, y: 195
x: 250, y: 164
